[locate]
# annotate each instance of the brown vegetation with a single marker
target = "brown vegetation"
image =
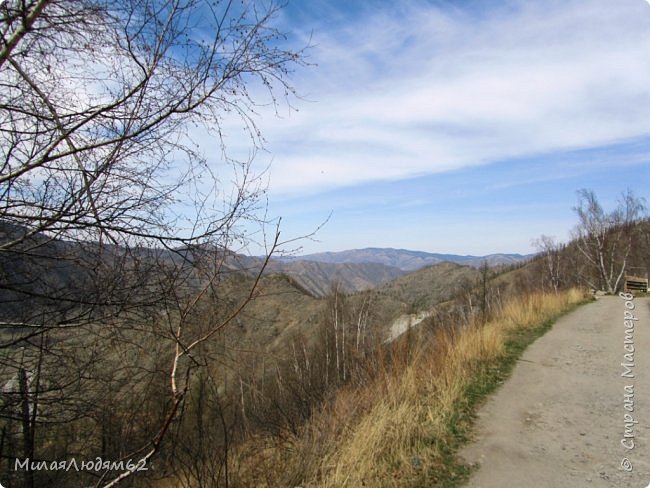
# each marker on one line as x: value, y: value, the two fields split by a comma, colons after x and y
x: 294, y: 381
x: 398, y: 426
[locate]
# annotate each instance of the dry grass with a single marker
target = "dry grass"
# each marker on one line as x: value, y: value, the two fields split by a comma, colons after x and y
x: 402, y: 428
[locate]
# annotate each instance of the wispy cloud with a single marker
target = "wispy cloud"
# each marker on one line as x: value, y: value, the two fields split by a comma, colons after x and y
x: 420, y: 88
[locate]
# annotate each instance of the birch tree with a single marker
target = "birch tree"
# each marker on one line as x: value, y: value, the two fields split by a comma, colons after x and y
x: 605, y: 239
x: 550, y: 249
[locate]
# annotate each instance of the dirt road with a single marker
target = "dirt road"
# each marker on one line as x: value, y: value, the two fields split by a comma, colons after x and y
x: 561, y: 419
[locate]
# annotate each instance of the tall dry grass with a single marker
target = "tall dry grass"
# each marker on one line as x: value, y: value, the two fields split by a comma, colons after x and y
x: 401, y: 428
x: 404, y: 439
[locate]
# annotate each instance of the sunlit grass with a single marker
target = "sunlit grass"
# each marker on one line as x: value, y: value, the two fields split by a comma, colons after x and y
x: 405, y: 424
x: 409, y: 432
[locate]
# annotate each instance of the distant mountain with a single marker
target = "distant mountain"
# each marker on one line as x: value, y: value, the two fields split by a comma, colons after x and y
x: 409, y: 260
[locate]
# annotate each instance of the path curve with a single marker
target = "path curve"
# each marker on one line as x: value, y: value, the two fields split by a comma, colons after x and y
x: 559, y: 419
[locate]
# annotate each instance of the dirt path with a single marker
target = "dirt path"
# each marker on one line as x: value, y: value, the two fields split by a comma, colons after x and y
x: 559, y: 420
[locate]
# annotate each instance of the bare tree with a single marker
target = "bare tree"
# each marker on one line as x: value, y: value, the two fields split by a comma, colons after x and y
x: 97, y: 98
x: 550, y: 250
x: 116, y: 234
x: 605, y: 240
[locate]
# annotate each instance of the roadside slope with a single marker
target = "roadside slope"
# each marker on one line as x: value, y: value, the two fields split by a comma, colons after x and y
x: 559, y: 419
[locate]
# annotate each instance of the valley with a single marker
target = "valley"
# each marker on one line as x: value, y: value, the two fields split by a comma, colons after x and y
x: 299, y: 360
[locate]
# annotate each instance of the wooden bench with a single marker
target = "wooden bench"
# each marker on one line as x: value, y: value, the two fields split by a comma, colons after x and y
x: 636, y: 284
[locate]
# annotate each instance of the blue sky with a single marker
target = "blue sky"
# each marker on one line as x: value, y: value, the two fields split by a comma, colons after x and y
x: 457, y: 126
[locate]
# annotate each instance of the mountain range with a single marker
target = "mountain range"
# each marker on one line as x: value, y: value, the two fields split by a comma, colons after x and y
x: 362, y: 269
x: 59, y: 266
x: 407, y: 260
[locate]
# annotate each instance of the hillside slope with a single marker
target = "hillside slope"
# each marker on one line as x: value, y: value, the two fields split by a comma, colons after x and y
x: 316, y: 277
x: 427, y: 287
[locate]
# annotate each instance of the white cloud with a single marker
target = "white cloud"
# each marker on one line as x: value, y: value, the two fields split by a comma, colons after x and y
x: 418, y: 89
